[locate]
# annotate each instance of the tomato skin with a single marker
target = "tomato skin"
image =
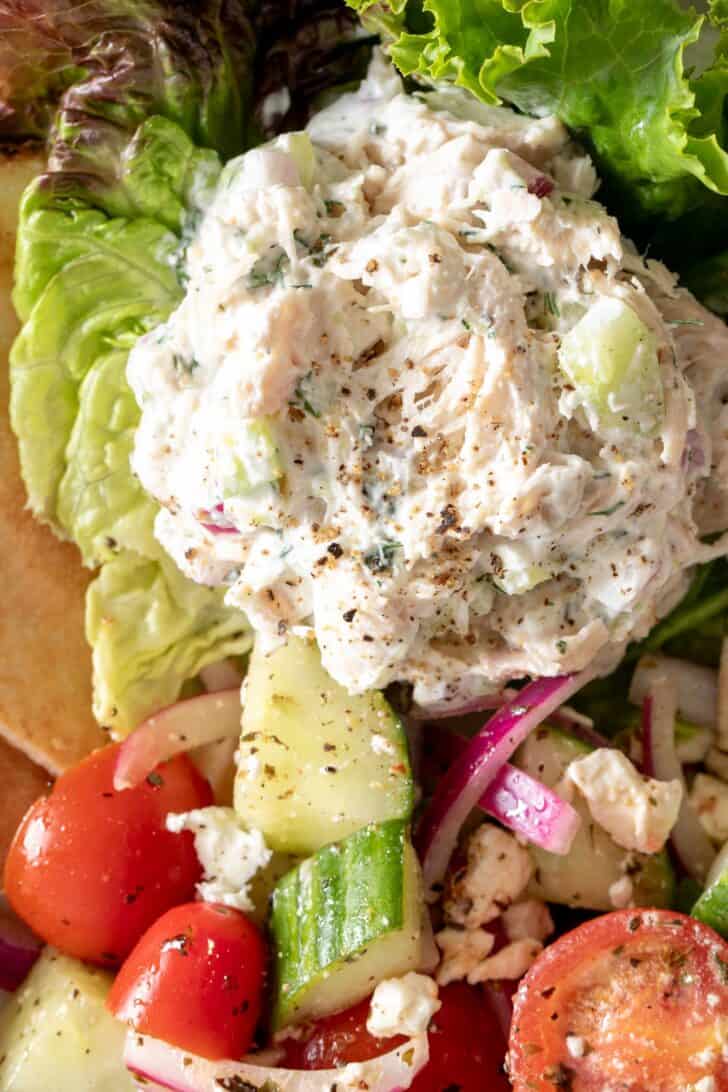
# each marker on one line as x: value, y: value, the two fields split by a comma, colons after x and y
x: 643, y: 993
x: 91, y: 868
x: 334, y: 1041
x: 195, y: 980
x: 467, y: 1047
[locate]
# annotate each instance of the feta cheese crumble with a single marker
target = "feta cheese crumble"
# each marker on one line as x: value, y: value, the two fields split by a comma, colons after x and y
x: 422, y: 399
x: 497, y: 872
x: 709, y: 798
x: 637, y: 811
x: 229, y: 854
x: 403, y: 1006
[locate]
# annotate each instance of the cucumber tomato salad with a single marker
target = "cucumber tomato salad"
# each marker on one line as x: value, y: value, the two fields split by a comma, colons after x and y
x: 375, y: 360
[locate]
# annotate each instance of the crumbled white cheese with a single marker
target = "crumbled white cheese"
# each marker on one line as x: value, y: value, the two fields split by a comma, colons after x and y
x: 531, y: 918
x: 403, y: 1006
x: 705, y: 1084
x: 381, y: 745
x: 497, y: 872
x: 576, y: 1046
x: 463, y: 950
x: 229, y: 854
x: 637, y: 811
x: 621, y: 893
x: 510, y: 962
x: 709, y: 798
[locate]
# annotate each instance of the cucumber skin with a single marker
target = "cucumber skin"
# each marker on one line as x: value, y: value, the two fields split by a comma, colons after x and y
x: 712, y: 907
x: 332, y: 906
x: 320, y: 778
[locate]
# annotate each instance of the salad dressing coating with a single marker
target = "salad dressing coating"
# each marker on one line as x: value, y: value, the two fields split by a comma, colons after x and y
x: 370, y: 415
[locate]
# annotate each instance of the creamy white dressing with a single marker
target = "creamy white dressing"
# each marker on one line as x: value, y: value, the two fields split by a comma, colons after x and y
x: 357, y: 419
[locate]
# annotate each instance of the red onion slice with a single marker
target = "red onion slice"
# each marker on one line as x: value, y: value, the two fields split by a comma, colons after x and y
x: 689, y: 841
x: 178, y: 728
x: 165, y: 1066
x: 531, y: 810
x: 19, y: 948
x: 521, y: 803
x: 697, y: 686
x: 470, y: 775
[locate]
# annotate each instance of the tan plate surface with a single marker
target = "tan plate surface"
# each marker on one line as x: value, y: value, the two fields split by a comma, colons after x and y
x: 45, y: 663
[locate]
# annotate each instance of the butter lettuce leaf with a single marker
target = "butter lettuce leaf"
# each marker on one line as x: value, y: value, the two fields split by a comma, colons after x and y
x: 614, y: 71
x: 151, y: 628
x: 120, y: 61
x: 161, y: 96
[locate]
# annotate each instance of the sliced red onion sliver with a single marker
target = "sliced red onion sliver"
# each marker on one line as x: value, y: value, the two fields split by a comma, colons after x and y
x: 689, y: 841
x: 165, y: 1066
x: 178, y: 728
x: 470, y: 775
x: 19, y: 948
x: 697, y: 686
x: 524, y: 805
x: 218, y: 529
x: 531, y: 810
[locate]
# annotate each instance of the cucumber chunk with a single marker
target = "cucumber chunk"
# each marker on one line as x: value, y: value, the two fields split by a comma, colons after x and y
x: 56, y: 1034
x: 712, y: 906
x: 316, y: 764
x: 345, y: 919
x: 582, y: 878
x: 610, y: 356
x: 251, y: 462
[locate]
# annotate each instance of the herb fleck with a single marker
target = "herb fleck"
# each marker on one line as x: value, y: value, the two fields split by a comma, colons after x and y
x: 607, y: 511
x: 380, y: 558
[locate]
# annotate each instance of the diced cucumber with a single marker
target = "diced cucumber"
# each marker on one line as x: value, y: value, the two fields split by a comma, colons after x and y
x: 56, y: 1035
x: 610, y: 356
x: 299, y: 147
x: 315, y: 763
x: 712, y: 906
x: 583, y: 877
x: 345, y: 919
x: 249, y: 459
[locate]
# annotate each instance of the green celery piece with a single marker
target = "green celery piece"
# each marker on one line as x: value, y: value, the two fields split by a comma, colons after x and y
x: 150, y: 629
x: 611, y: 355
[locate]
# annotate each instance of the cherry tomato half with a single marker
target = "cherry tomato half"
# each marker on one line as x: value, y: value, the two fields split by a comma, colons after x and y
x: 195, y: 980
x: 467, y: 1048
x: 637, y: 999
x: 91, y: 868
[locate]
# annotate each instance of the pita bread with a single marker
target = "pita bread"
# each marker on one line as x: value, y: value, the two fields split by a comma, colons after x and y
x: 45, y: 663
x: 22, y: 782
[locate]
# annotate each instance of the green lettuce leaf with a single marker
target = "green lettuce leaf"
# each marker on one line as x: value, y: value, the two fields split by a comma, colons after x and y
x: 87, y: 285
x: 100, y: 254
x: 614, y: 71
x: 150, y: 628
x: 120, y: 61
x: 154, y: 96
